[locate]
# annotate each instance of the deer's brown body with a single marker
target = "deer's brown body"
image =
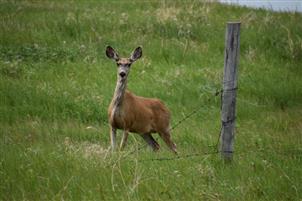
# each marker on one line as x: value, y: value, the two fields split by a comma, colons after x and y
x: 140, y: 115
x: 133, y: 113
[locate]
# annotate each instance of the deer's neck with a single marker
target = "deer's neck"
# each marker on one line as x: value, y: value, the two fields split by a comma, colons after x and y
x: 118, y: 97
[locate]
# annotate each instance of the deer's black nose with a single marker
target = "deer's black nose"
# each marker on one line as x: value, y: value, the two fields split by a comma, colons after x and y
x: 122, y: 74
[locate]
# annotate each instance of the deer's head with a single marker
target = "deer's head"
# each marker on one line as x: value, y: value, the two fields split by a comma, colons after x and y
x: 123, y: 64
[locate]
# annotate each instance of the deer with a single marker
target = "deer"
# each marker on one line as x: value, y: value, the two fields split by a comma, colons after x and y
x: 136, y: 114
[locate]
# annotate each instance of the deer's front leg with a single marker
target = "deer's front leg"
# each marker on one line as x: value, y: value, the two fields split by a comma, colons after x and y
x: 112, y: 137
x: 124, y: 139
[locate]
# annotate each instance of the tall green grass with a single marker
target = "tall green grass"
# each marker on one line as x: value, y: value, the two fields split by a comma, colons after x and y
x: 56, y: 84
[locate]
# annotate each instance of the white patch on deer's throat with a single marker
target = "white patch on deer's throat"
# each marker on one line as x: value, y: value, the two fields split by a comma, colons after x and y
x: 118, y: 97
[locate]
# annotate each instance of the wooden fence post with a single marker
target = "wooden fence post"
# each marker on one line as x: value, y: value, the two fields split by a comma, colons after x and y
x: 228, y: 111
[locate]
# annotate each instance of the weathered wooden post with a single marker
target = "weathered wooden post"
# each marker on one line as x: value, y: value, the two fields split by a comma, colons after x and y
x: 228, y: 111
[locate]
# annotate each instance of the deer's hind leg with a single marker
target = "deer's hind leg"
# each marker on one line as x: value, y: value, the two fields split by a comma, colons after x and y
x: 166, y: 136
x: 151, y: 141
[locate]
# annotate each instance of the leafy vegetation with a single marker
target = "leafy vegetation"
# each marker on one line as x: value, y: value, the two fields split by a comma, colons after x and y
x: 56, y: 84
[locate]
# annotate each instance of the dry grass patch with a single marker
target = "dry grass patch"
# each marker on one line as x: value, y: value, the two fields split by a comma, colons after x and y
x: 86, y: 149
x: 164, y: 15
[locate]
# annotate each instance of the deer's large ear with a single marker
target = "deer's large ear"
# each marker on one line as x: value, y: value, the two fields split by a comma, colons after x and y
x: 137, y: 53
x: 111, y: 53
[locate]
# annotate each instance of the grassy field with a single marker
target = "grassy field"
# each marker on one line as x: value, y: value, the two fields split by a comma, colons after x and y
x: 56, y: 84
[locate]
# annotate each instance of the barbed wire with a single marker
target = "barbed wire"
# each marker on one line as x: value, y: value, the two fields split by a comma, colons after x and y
x: 185, y: 118
x: 196, y: 154
x: 238, y: 153
x: 229, y: 88
x: 176, y: 157
x: 193, y: 112
x: 200, y: 154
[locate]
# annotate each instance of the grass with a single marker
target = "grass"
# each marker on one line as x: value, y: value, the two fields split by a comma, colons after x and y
x: 56, y: 84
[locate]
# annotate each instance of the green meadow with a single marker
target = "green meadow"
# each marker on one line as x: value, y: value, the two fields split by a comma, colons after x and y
x: 56, y: 84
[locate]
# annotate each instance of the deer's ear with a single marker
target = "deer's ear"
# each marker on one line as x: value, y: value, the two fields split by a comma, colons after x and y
x: 137, y: 53
x: 111, y: 53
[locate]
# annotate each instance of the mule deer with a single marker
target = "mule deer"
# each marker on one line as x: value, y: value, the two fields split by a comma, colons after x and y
x: 134, y: 113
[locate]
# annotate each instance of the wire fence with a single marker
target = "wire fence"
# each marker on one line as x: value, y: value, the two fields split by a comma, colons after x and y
x: 215, y: 150
x: 178, y: 123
